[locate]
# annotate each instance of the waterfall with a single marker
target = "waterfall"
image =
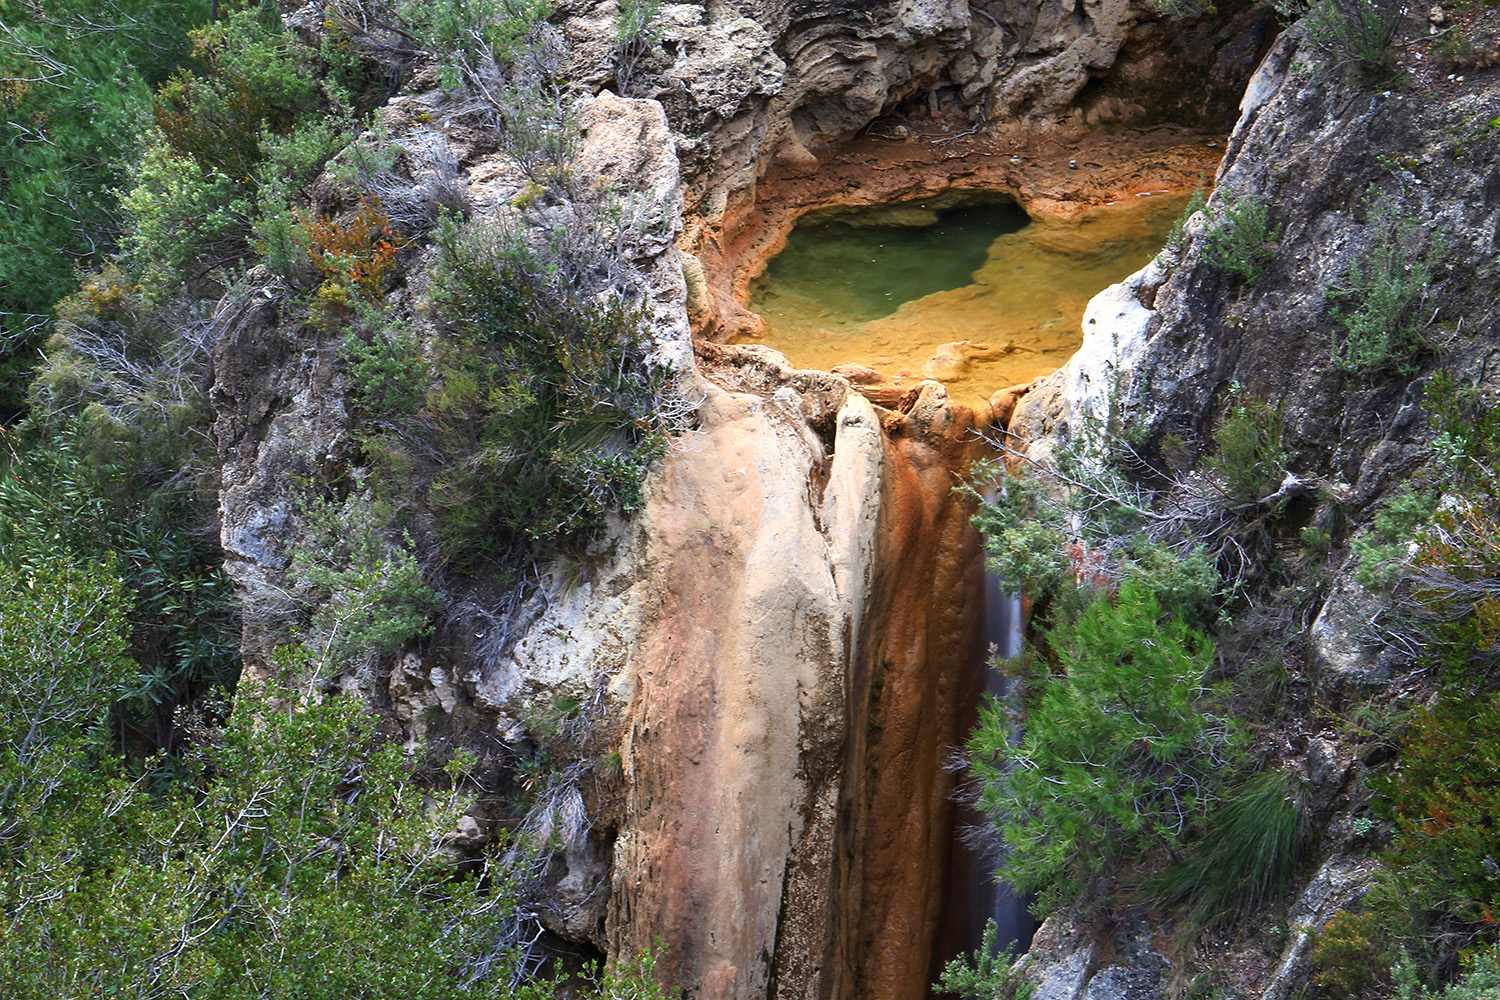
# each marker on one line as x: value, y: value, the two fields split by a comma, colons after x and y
x: 973, y: 894
x: 1004, y: 625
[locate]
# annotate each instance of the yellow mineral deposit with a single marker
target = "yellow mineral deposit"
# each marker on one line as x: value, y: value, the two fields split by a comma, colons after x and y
x: 834, y: 295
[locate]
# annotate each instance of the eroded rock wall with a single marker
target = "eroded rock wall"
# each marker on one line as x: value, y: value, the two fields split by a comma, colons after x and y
x: 1341, y: 167
x: 754, y: 83
x: 808, y: 650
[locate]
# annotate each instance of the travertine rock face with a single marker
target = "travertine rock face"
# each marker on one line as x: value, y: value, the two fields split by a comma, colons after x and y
x: 803, y: 659
x: 750, y: 83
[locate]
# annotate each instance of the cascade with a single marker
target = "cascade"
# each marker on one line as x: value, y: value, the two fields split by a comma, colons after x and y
x: 974, y: 896
x: 1003, y: 627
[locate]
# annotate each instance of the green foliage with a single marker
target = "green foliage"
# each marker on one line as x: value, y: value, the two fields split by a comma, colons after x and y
x: 108, y: 468
x: 1060, y: 534
x: 307, y: 863
x: 1026, y: 541
x: 1349, y: 956
x: 463, y: 32
x: 1195, y: 204
x: 634, y: 977
x: 1481, y: 980
x: 62, y: 664
x: 1441, y: 882
x: 1246, y: 857
x: 1466, y: 439
x: 1240, y: 239
x: 1397, y: 522
x: 75, y: 78
x: 1439, y: 551
x: 634, y: 36
x: 989, y: 974
x: 1115, y: 749
x: 1387, y: 288
x: 1360, y: 32
x: 545, y: 397
x: 387, y: 373
x: 1249, y: 457
x: 229, y: 150
x: 367, y: 591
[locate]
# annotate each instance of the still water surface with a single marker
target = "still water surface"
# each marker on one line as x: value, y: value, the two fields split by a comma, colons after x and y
x: 887, y: 287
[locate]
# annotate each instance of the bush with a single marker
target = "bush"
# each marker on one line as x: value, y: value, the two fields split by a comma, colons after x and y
x: 229, y: 150
x: 1350, y: 31
x: 1481, y: 980
x: 1178, y: 234
x: 75, y: 79
x: 1250, y: 459
x: 1441, y: 876
x: 367, y: 591
x: 989, y: 975
x: 303, y: 862
x: 1246, y: 857
x: 1387, y: 287
x: 1348, y: 955
x: 1240, y: 239
x: 114, y: 463
x: 546, y: 398
x: 634, y: 36
x: 1113, y: 749
x: 354, y: 258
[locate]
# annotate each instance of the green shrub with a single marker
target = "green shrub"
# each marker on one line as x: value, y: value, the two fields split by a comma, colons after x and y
x: 989, y: 974
x: 114, y: 462
x: 1245, y: 858
x: 1361, y: 32
x: 1440, y: 878
x: 1348, y: 956
x: 367, y: 591
x: 1387, y: 289
x: 229, y: 151
x: 634, y: 35
x: 1240, y: 239
x: 75, y: 79
x: 387, y: 373
x: 1113, y: 750
x: 1481, y: 979
x: 303, y: 862
x: 1398, y: 521
x: 1249, y: 456
x: 1062, y: 534
x: 1195, y: 204
x: 546, y: 398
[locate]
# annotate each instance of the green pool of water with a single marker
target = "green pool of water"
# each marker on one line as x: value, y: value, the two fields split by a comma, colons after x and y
x: 862, y: 267
x: 977, y: 297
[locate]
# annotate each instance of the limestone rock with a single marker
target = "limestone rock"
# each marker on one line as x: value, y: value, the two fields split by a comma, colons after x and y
x: 1310, y: 143
x: 1066, y: 961
x: 1340, y: 882
x: 1348, y: 654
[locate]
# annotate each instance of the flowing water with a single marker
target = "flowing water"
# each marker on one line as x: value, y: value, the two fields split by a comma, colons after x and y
x: 887, y: 287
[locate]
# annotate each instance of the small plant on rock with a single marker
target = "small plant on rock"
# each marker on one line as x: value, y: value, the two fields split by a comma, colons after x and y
x: 1241, y: 239
x: 991, y: 974
x: 1381, y: 316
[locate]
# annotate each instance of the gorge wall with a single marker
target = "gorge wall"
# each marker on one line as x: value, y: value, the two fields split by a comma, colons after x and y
x: 781, y: 645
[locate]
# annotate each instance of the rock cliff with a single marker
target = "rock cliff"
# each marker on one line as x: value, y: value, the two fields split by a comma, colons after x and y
x: 1343, y: 165
x: 781, y: 646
